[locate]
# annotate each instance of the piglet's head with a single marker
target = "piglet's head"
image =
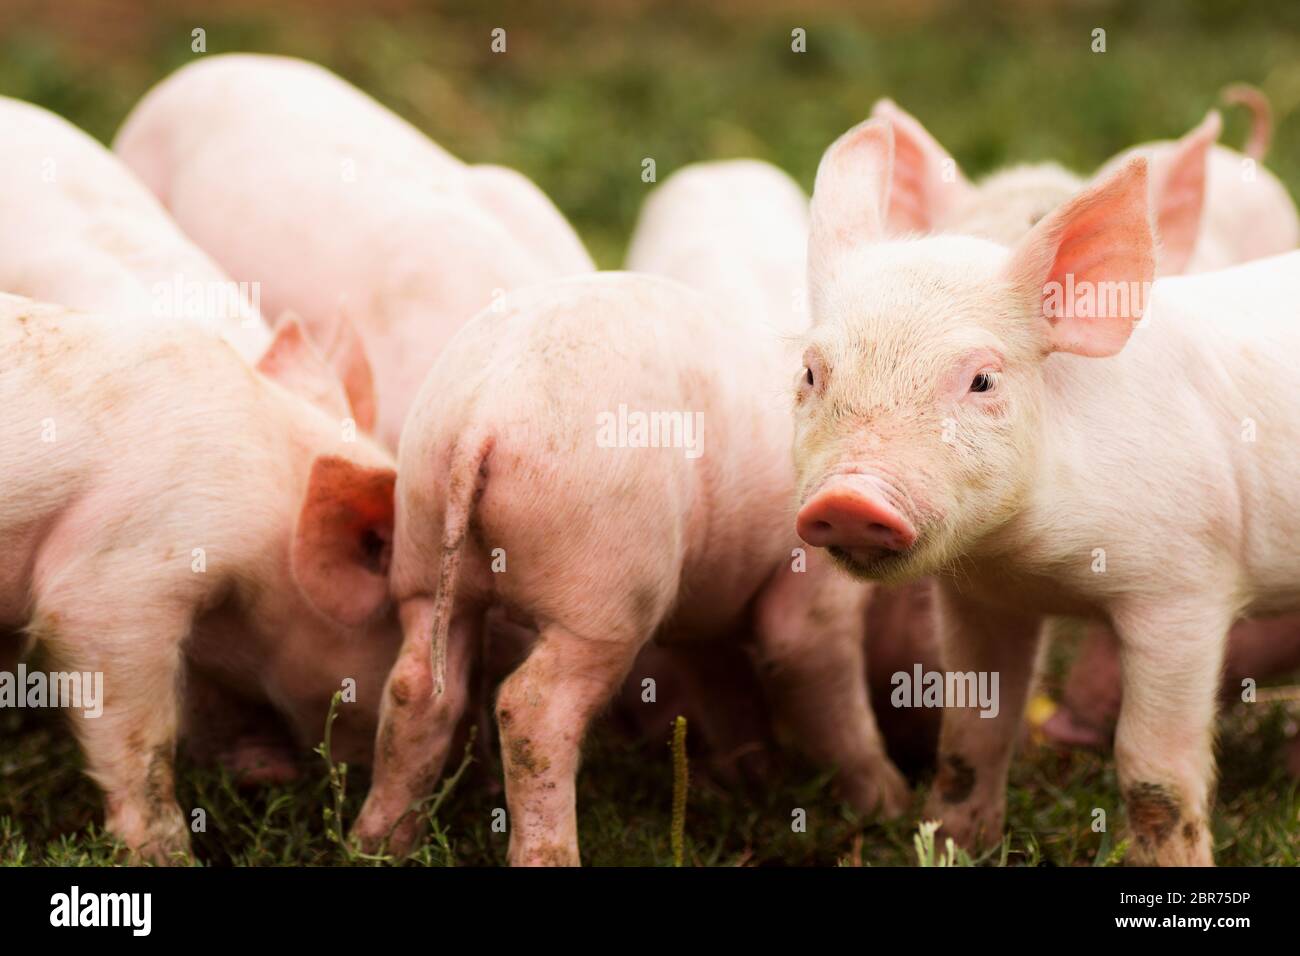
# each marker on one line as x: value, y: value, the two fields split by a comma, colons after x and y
x: 333, y: 620
x: 919, y: 407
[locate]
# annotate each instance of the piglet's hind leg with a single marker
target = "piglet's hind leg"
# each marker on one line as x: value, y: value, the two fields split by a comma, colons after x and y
x: 543, y: 710
x: 416, y: 727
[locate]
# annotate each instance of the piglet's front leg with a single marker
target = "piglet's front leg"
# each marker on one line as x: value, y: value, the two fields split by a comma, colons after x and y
x: 129, y: 730
x: 1171, y: 657
x: 969, y: 792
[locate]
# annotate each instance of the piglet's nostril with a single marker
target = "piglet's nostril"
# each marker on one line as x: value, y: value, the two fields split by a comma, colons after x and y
x: 854, y: 512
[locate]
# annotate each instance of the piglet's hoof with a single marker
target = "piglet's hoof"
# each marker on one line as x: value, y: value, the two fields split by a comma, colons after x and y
x: 880, y: 792
x: 371, y: 833
x: 973, y: 825
x: 1065, y: 728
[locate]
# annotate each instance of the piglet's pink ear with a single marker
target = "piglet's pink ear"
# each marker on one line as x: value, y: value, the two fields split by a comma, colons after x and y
x: 293, y: 361
x: 851, y: 193
x: 343, y: 541
x: 347, y: 355
x: 927, y: 183
x: 1087, y: 266
x: 1178, y: 192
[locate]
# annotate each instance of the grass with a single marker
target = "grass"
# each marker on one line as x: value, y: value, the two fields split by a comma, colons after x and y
x: 50, y: 813
x: 577, y: 102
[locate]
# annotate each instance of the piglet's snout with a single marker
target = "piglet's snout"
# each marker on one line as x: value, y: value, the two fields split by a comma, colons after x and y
x: 853, y: 512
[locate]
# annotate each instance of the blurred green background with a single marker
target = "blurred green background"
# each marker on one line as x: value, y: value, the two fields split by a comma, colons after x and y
x: 586, y: 90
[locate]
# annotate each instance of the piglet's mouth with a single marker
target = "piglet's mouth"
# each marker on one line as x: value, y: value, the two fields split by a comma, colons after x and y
x: 858, y: 519
x: 865, y: 560
x: 876, y: 564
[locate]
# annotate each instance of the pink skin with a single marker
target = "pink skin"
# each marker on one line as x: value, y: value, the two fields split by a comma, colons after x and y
x: 1090, y: 705
x: 999, y: 482
x: 80, y: 229
x: 117, y: 470
x: 735, y: 229
x: 696, y: 545
x: 1216, y: 207
x: 290, y: 177
x: 853, y: 514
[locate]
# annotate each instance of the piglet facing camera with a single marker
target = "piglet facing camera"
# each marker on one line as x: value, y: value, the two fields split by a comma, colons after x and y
x: 1021, y: 421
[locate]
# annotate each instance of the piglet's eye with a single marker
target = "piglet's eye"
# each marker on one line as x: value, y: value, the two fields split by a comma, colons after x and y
x: 983, y: 382
x: 808, y: 377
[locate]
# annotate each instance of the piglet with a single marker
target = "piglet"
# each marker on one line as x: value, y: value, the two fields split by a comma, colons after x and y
x: 603, y: 457
x: 992, y: 416
x: 78, y: 228
x: 163, y: 499
x: 290, y: 177
x: 1213, y: 207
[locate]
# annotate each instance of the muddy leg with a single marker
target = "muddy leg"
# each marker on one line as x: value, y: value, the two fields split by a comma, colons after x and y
x: 129, y: 738
x: 415, y: 727
x: 1171, y: 657
x: 543, y: 710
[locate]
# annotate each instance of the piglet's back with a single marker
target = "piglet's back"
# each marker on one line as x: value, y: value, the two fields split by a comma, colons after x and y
x: 552, y: 356
x: 80, y: 229
x: 98, y: 388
